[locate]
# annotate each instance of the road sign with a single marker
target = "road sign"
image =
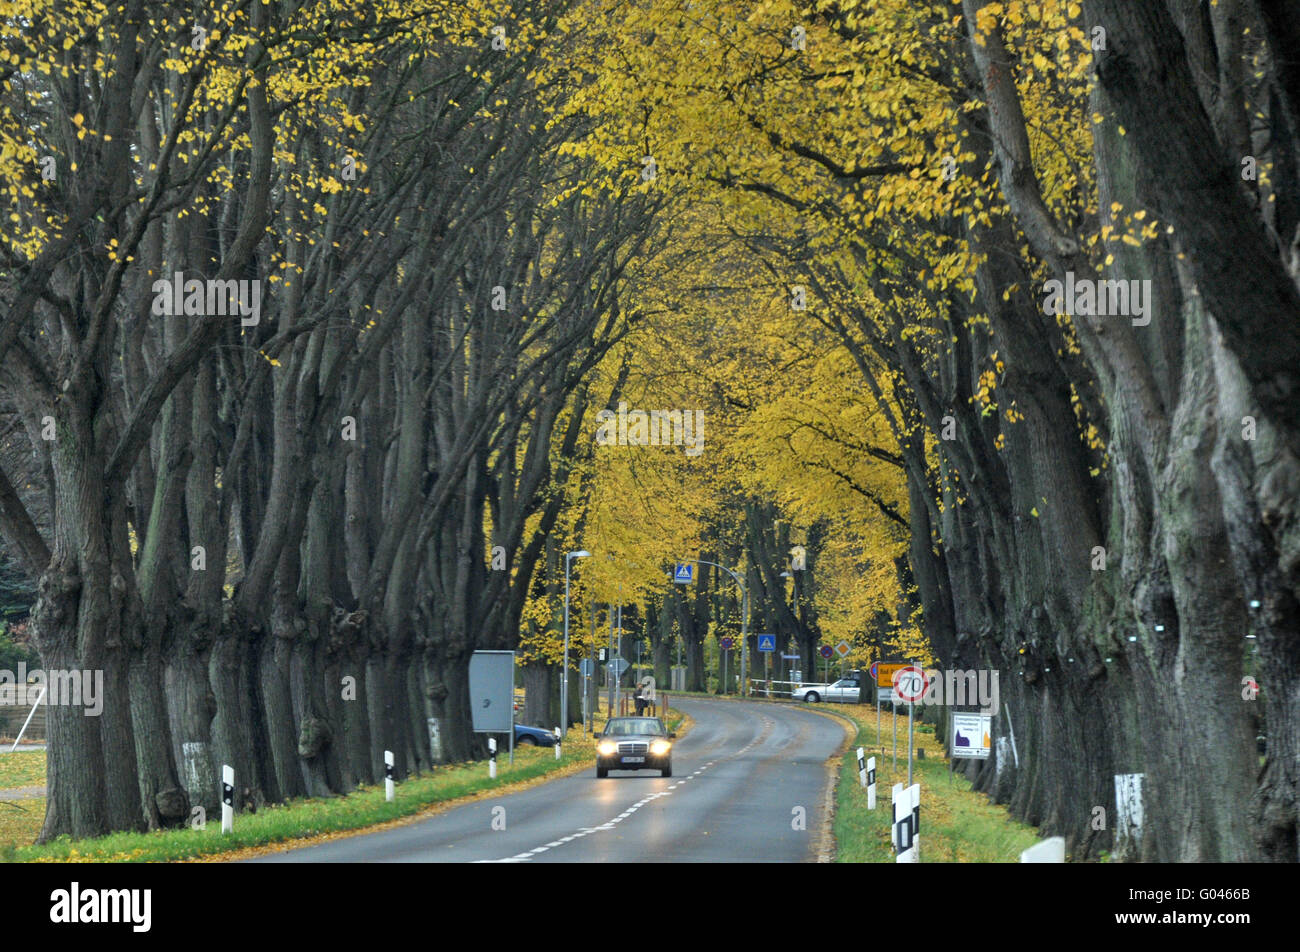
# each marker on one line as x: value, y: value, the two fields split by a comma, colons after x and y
x: 491, y: 691
x: 767, y: 642
x: 875, y: 666
x: 790, y: 657
x: 885, y: 695
x: 885, y: 673
x: 584, y: 667
x: 618, y: 666
x: 909, y: 683
x: 826, y: 651
x: 726, y: 644
x: 843, y: 649
x: 971, y: 735
x: 683, y: 573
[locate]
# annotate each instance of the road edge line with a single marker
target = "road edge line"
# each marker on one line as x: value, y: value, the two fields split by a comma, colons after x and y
x: 826, y: 845
x: 425, y: 813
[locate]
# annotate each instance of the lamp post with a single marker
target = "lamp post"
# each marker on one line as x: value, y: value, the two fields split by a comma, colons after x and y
x: 564, y: 684
x: 744, y: 620
x: 794, y: 610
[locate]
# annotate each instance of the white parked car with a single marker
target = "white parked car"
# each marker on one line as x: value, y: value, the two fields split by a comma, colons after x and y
x: 845, y: 690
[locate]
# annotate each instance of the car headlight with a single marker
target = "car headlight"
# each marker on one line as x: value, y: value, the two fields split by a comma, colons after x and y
x: 660, y: 747
x: 606, y: 747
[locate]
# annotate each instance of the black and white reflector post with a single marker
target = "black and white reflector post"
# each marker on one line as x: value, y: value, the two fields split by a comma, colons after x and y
x: 227, y: 798
x: 862, y: 766
x: 895, y: 800
x: 390, y: 788
x: 902, y: 825
x: 492, y: 757
x: 871, y: 783
x: 907, y: 821
x: 915, y: 791
x: 557, y: 743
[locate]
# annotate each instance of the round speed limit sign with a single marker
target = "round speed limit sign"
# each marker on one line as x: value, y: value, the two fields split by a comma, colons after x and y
x: 909, y: 684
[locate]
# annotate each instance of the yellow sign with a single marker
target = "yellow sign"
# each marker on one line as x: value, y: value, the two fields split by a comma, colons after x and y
x: 885, y: 674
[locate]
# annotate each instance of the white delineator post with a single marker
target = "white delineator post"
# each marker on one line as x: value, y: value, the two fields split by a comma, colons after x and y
x: 907, y: 822
x: 1047, y: 851
x: 871, y: 783
x: 915, y: 791
x: 227, y: 798
x: 895, y: 798
x: 862, y: 767
x: 557, y: 743
x: 492, y: 758
x: 390, y: 788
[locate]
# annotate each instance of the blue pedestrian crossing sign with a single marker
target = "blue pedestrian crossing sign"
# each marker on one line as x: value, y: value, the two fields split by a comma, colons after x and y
x: 683, y: 573
x: 767, y: 642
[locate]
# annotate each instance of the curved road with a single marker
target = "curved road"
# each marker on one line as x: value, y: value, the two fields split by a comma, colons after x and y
x: 738, y: 777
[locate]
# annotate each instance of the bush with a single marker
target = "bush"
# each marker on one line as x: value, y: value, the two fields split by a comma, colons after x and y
x: 17, y: 592
x: 12, y: 653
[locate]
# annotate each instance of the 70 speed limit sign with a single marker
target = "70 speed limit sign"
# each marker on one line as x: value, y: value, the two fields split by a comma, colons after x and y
x: 909, y: 684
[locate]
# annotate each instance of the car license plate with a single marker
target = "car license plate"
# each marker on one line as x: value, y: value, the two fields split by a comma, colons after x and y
x: 633, y: 760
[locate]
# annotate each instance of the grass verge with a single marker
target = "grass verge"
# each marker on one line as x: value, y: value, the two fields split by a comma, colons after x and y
x: 22, y: 768
x: 306, y: 819
x: 20, y: 822
x: 958, y: 825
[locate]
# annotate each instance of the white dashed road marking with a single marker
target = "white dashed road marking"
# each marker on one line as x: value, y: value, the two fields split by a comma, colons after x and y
x: 767, y: 724
x: 583, y: 832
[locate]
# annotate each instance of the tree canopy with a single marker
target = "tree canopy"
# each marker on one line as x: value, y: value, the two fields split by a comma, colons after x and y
x: 964, y: 332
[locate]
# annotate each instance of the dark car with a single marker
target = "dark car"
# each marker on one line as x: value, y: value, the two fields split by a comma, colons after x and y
x: 533, y: 735
x: 635, y: 743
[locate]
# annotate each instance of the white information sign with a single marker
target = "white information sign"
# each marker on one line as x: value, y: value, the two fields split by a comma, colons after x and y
x: 971, y: 735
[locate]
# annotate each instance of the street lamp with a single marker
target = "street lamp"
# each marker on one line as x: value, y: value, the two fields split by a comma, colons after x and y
x: 564, y: 684
x: 744, y: 620
x: 795, y: 612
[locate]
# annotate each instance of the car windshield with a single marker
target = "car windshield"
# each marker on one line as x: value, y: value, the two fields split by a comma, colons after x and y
x: 627, y: 726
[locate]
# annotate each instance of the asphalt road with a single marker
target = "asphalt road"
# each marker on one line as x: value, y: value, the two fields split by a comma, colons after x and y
x: 739, y: 776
